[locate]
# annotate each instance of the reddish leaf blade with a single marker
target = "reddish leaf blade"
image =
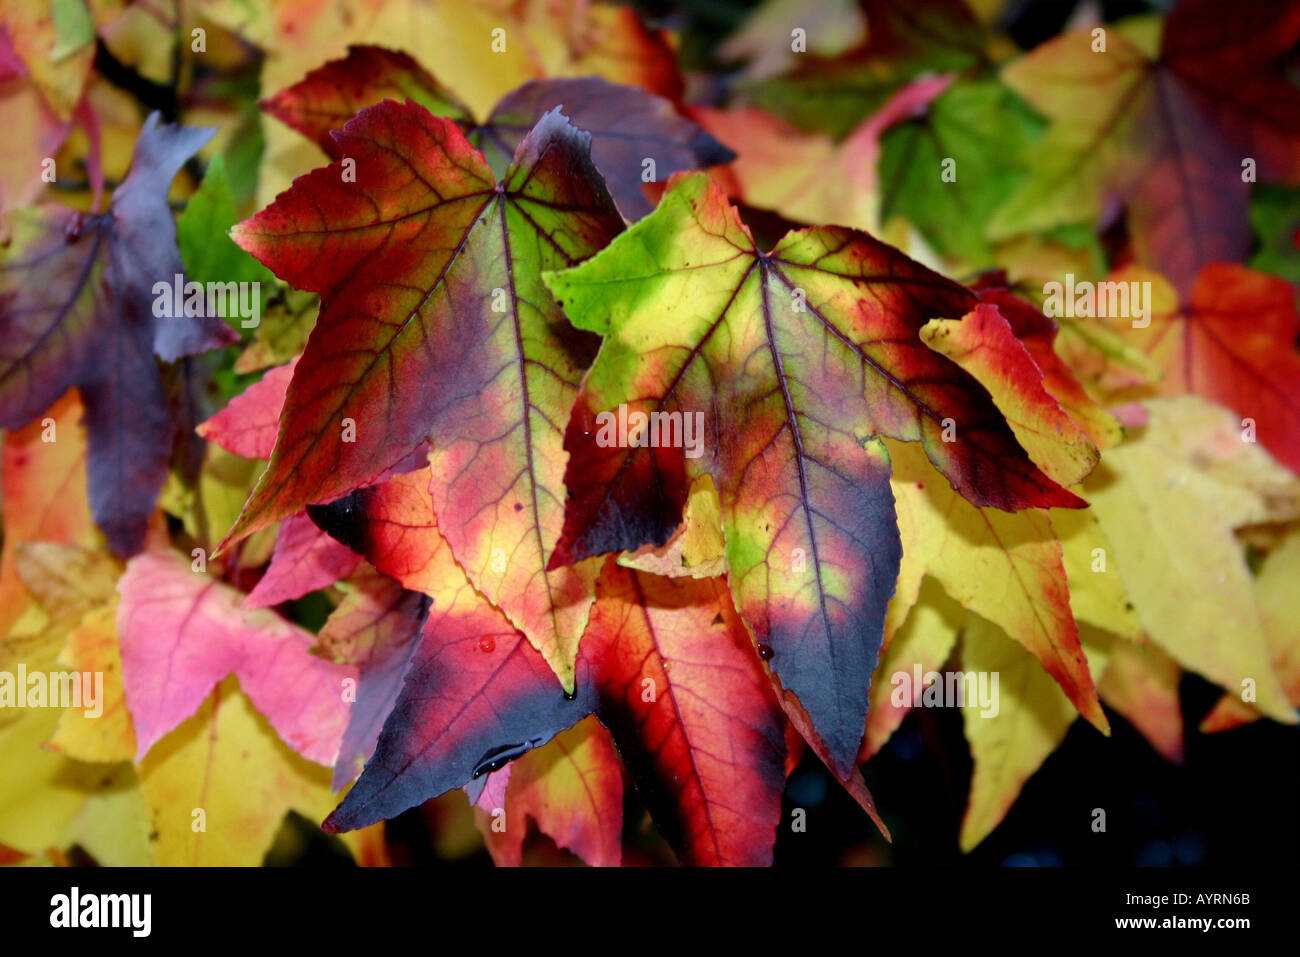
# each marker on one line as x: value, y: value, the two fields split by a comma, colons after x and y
x: 476, y: 695
x: 1038, y: 333
x: 498, y: 478
x: 305, y: 559
x: 618, y: 502
x: 446, y: 332
x: 984, y: 344
x: 393, y: 526
x: 313, y: 236
x: 1234, y: 343
x: 182, y: 632
x: 572, y: 788
x: 1231, y: 56
x: 1187, y: 200
x: 688, y: 703
x: 247, y: 425
x: 327, y: 97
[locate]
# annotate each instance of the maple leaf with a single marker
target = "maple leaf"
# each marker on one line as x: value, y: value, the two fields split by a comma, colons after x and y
x: 1169, y: 501
x: 77, y: 308
x: 984, y: 344
x: 455, y: 502
x: 1164, y: 130
x: 1009, y: 570
x: 227, y: 761
x: 418, y: 342
x: 701, y: 324
x: 629, y: 127
x: 666, y: 664
x: 572, y: 789
x: 1234, y: 342
x: 1031, y: 719
x: 305, y: 559
x: 1007, y: 567
x: 1039, y: 335
x: 181, y: 633
x: 707, y: 748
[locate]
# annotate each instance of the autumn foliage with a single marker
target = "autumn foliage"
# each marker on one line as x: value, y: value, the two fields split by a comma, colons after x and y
x: 600, y: 438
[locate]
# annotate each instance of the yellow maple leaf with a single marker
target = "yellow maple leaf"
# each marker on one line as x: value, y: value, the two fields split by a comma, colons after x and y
x: 1030, y: 720
x: 218, y: 786
x: 1169, y: 500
